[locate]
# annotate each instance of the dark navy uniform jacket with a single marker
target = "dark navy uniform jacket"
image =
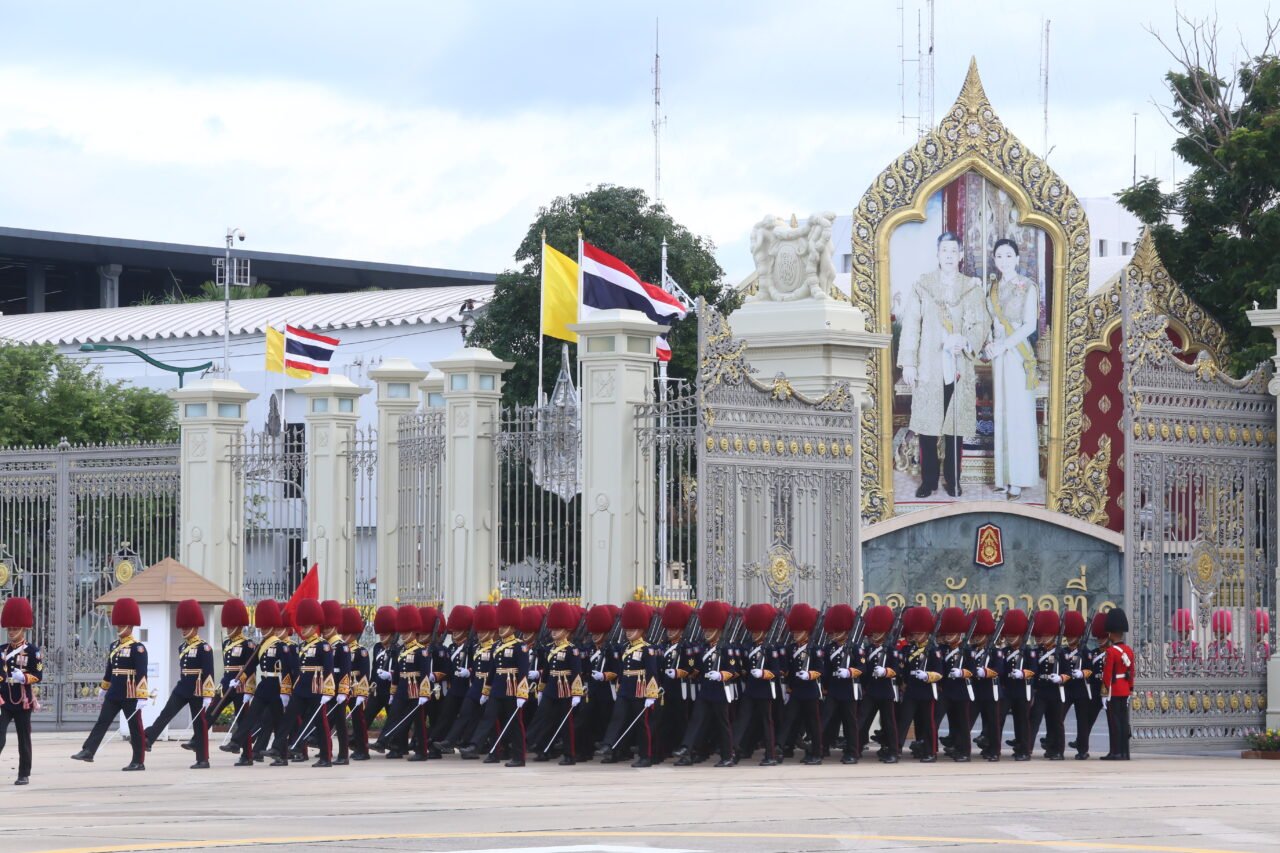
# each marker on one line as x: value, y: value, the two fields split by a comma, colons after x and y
x: 603, y: 660
x: 341, y: 666
x: 674, y: 656
x: 195, y: 670
x: 26, y: 659
x: 842, y: 656
x: 409, y: 670
x: 315, y: 662
x: 456, y: 658
x: 277, y: 669
x: 926, y: 657
x: 638, y: 671
x: 988, y: 689
x: 882, y: 687
x: 1021, y: 658
x: 1048, y: 662
x: 797, y: 658
x: 383, y: 658
x: 361, y: 669
x: 481, y: 658
x: 768, y: 659
x: 237, y: 652
x: 562, y: 678
x: 722, y: 659
x: 955, y: 689
x: 508, y: 670
x: 126, y: 674
x: 1077, y: 658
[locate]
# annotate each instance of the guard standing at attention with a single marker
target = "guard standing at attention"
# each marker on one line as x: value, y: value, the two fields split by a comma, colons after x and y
x: 21, y: 668
x: 124, y: 684
x: 195, y: 689
x: 1118, y: 674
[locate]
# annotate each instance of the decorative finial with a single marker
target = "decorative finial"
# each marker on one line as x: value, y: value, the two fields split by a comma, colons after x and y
x: 794, y: 221
x: 1255, y: 305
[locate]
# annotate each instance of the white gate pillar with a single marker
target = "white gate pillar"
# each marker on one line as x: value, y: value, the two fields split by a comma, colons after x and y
x: 473, y: 400
x: 616, y: 353
x: 333, y: 408
x: 1270, y: 318
x: 397, y: 380
x: 211, y: 416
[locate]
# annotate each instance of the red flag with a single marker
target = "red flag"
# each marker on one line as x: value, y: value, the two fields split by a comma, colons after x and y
x: 309, y: 588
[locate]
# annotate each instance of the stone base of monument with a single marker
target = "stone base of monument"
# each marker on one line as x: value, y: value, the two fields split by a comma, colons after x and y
x: 815, y: 343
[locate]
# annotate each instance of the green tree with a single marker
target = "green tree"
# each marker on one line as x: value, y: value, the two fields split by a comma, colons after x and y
x: 623, y: 222
x: 1218, y: 230
x: 47, y: 396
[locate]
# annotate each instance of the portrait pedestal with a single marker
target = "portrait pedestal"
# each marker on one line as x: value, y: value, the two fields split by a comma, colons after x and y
x: 815, y: 343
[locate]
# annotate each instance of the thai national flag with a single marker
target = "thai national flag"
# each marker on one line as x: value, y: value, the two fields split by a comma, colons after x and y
x: 308, y: 351
x: 609, y: 283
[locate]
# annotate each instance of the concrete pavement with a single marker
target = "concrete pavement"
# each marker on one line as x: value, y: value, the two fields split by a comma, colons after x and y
x: 1155, y: 803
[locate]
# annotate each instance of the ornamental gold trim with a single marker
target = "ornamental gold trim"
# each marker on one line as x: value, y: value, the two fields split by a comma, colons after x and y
x: 971, y: 137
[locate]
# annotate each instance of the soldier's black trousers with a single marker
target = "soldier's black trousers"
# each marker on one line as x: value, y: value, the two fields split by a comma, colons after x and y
x: 359, y: 727
x: 672, y: 718
x: 988, y: 711
x: 838, y: 714
x: 446, y: 712
x: 1017, y: 705
x: 1118, y: 725
x: 107, y: 716
x: 755, y: 723
x: 710, y: 719
x: 514, y: 737
x: 314, y: 718
x: 377, y: 703
x: 959, y: 716
x: 199, y: 725
x: 464, y: 723
x: 923, y: 714
x: 400, y: 729
x: 21, y: 718
x: 1049, y: 708
x: 549, y: 716
x: 888, y: 711
x: 591, y: 718
x: 804, y: 715
x: 486, y: 726
x: 1087, y: 710
x: 268, y: 719
x: 625, y: 711
x: 337, y: 712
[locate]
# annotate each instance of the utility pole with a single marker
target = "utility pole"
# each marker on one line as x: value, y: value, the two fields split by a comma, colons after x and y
x: 659, y: 120
x: 227, y: 273
x: 1044, y: 82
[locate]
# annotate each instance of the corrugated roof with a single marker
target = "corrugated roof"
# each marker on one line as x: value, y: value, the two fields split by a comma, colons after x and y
x: 319, y: 312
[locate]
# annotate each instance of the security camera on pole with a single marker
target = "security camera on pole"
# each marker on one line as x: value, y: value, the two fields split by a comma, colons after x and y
x: 226, y: 276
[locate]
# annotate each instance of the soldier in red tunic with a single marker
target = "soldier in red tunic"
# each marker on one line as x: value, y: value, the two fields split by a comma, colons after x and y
x: 1118, y: 673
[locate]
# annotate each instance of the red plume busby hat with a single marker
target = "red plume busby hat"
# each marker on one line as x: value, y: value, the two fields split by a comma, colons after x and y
x: 352, y: 621
x: 917, y: 620
x: 332, y: 611
x: 509, y: 611
x: 125, y: 613
x: 984, y: 622
x: 839, y: 619
x: 879, y: 619
x: 1099, y: 626
x: 384, y: 620
x: 1074, y: 626
x: 801, y: 617
x: 562, y: 616
x: 1046, y: 623
x: 427, y: 619
x: 954, y: 621
x: 17, y: 614
x: 1261, y: 621
x: 486, y: 617
x: 408, y: 619
x: 189, y: 614
x: 460, y: 618
x: 1221, y: 622
x: 234, y: 614
x: 531, y: 618
x: 599, y: 619
x: 1182, y: 621
x: 675, y: 616
x: 309, y: 612
x: 759, y: 617
x: 1015, y: 624
x: 266, y: 614
x: 635, y: 615
x: 715, y: 614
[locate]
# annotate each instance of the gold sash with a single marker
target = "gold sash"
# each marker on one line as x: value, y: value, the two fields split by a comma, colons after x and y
x: 1028, y: 357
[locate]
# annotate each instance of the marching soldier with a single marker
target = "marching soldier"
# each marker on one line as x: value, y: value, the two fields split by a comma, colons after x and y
x: 531, y: 619
x: 802, y: 665
x: 124, y: 683
x: 239, y: 663
x: 562, y: 687
x: 337, y: 711
x: 1118, y: 674
x: 988, y: 668
x: 714, y: 668
x: 761, y: 683
x: 384, y: 654
x: 842, y: 676
x: 361, y: 663
x: 21, y: 668
x: 315, y: 688
x: 955, y: 691
x: 1052, y: 676
x: 673, y: 705
x: 1019, y: 671
x: 405, y: 677
x: 435, y: 662
x: 506, y: 690
x: 457, y: 672
x: 879, y: 678
x: 471, y: 715
x: 195, y: 688
x: 598, y: 673
x: 277, y: 671
x: 637, y: 689
x: 922, y: 662
x: 1088, y: 682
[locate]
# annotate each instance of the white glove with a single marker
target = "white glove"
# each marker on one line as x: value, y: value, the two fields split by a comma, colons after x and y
x: 248, y: 698
x: 920, y: 674
x: 359, y: 701
x: 284, y: 700
x: 803, y: 675
x: 431, y: 678
x: 648, y: 703
x: 1015, y: 674
x: 208, y: 700
x: 575, y: 701
x: 422, y: 700
x: 979, y: 672
x: 956, y: 672
x: 670, y: 673
x: 484, y: 699
x: 786, y: 697
x: 1105, y: 700
x: 462, y: 672
x: 534, y: 674
x: 520, y: 703
x: 325, y: 700
x: 843, y: 672
x: 757, y: 673
x: 18, y: 678
x: 385, y: 675
x: 341, y: 698
x: 101, y: 693
x: 1055, y: 678
x: 879, y: 672
x: 714, y: 675
x: 1077, y: 673
x: 597, y: 675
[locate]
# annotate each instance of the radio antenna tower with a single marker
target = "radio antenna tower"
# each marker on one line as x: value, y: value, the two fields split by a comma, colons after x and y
x: 1044, y: 90
x: 659, y: 120
x: 925, y: 66
x: 903, y: 62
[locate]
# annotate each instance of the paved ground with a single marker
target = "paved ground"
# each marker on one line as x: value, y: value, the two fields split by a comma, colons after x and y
x: 1153, y: 803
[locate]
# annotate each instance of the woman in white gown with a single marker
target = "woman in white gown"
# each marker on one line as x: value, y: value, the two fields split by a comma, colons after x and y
x: 1014, y: 302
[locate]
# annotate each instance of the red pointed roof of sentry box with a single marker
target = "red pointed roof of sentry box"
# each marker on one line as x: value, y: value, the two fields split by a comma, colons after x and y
x: 167, y: 582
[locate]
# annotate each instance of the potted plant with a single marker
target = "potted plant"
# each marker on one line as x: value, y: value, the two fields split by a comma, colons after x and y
x: 1263, y: 744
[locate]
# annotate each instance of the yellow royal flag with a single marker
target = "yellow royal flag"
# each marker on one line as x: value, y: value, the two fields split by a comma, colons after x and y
x: 275, y: 356
x: 559, y: 294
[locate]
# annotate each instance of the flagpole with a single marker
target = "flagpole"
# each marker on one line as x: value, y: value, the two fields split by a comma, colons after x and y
x: 542, y: 307
x: 664, y: 450
x: 579, y: 303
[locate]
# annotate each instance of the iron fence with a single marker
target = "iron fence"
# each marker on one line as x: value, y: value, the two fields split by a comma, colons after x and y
x: 271, y: 468
x: 420, y: 534
x: 667, y: 444
x: 362, y: 461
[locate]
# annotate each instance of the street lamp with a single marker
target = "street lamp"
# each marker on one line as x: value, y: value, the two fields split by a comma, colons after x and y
x: 240, y: 272
x: 172, y: 368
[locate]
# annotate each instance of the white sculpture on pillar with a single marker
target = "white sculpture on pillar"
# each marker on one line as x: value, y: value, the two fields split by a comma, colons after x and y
x: 793, y: 261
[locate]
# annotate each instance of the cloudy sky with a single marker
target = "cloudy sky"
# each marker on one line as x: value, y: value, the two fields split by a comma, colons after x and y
x: 430, y: 133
